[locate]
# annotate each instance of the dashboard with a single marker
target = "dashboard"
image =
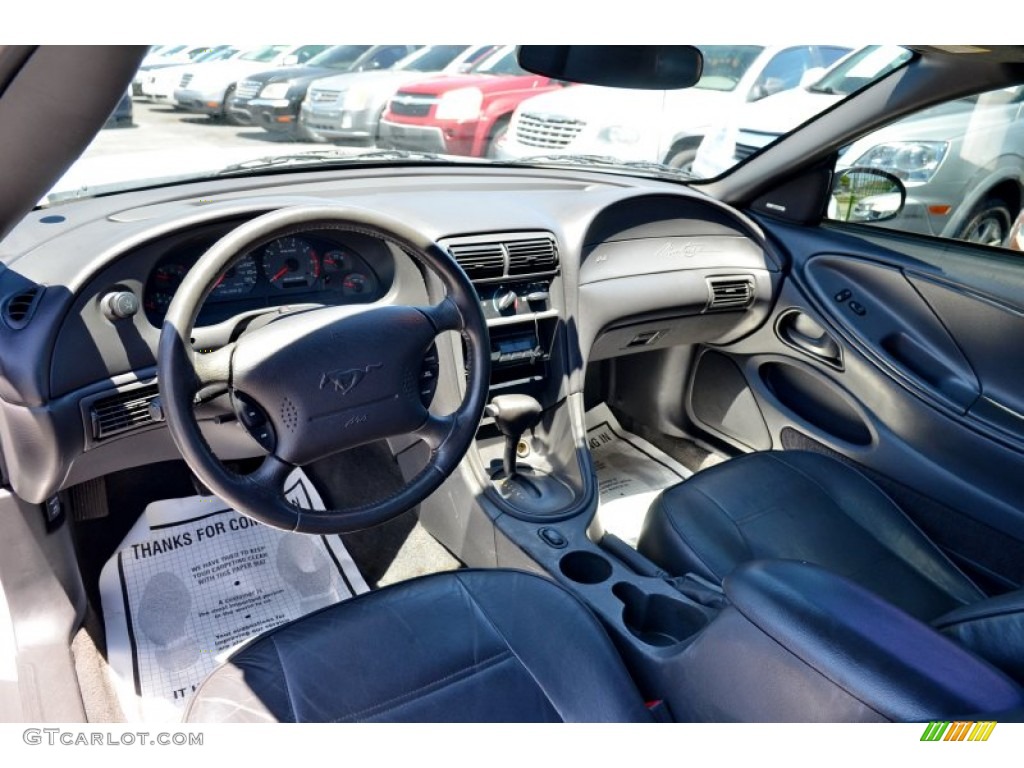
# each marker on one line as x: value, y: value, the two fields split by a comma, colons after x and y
x: 570, y: 267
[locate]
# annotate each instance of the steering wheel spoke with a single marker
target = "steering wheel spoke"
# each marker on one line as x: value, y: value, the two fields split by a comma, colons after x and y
x: 436, y: 430
x: 273, y: 472
x: 444, y: 316
x: 213, y: 372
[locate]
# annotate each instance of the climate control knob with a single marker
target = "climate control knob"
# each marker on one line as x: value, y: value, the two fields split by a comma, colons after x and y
x: 505, y: 300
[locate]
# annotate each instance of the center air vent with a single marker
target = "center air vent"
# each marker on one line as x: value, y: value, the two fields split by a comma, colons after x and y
x: 726, y: 293
x: 19, y: 308
x: 481, y: 260
x: 122, y: 411
x: 494, y: 257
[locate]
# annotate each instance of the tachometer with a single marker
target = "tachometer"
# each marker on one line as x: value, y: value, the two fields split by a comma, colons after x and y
x: 291, y: 262
x: 237, y: 281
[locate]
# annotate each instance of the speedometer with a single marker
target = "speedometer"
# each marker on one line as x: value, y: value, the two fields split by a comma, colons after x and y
x: 237, y: 281
x: 291, y: 262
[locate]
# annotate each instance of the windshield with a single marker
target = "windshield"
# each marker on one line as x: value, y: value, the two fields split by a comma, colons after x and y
x: 860, y: 68
x: 503, y: 62
x: 338, y: 56
x: 220, y: 117
x: 724, y: 65
x: 264, y: 53
x: 433, y: 58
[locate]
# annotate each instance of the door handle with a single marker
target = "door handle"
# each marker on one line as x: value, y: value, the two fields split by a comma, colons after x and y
x: 802, y: 332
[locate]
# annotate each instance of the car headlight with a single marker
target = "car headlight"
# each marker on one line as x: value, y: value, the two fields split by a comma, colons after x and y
x: 619, y: 134
x: 909, y: 160
x: 460, y: 104
x: 356, y: 99
x: 275, y: 91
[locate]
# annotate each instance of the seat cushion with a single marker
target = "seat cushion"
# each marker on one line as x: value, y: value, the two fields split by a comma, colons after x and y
x: 473, y: 645
x: 804, y: 506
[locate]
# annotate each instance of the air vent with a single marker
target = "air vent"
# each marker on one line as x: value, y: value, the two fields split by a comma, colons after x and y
x: 122, y: 411
x: 512, y: 255
x: 19, y: 308
x: 480, y: 260
x: 728, y: 293
x: 527, y: 257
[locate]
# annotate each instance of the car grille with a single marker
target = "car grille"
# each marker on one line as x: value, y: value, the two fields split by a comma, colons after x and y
x: 320, y: 97
x: 411, y: 105
x: 248, y: 89
x: 185, y: 80
x: 546, y: 130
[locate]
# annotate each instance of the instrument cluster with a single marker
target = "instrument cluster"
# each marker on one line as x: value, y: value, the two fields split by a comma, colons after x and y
x: 288, y: 270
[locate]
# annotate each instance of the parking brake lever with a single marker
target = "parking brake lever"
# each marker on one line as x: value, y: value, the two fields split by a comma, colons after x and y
x: 513, y: 415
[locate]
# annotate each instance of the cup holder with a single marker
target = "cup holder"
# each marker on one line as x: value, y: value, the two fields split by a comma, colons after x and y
x: 657, y: 619
x: 585, y: 567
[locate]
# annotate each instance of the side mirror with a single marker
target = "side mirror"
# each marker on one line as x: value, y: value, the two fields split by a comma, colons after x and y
x: 289, y: 60
x: 648, y: 67
x: 866, y: 195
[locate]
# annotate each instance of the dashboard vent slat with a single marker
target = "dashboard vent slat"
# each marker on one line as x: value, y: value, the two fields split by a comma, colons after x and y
x: 19, y: 308
x: 730, y: 293
x: 122, y: 411
x: 480, y: 260
x: 531, y: 256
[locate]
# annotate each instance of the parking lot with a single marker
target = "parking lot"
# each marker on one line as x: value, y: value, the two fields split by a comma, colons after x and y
x: 166, y: 142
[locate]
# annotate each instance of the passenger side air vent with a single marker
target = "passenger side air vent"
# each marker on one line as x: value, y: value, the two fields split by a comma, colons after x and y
x: 494, y: 257
x: 19, y: 308
x: 122, y: 411
x: 729, y: 293
x: 527, y: 257
x: 480, y: 260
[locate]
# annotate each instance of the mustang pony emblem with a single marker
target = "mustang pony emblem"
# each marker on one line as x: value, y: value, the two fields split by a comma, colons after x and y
x: 347, y: 380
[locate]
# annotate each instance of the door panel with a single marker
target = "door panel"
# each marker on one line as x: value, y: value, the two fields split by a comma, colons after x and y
x: 926, y: 396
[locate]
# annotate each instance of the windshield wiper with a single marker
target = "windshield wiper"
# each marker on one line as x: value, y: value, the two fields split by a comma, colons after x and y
x: 330, y: 157
x: 607, y: 161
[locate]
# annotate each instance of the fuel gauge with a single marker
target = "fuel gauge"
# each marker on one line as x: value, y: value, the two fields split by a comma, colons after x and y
x: 356, y: 284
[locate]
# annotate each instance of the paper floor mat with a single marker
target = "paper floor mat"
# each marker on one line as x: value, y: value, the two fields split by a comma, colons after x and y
x: 194, y: 579
x: 630, y: 473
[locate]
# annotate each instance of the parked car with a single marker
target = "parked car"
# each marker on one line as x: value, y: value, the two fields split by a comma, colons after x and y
x: 659, y: 126
x: 168, y: 56
x: 348, y: 107
x: 468, y: 359
x: 271, y: 99
x: 962, y: 164
x: 460, y: 114
x: 207, y: 89
x: 752, y: 125
x: 159, y: 83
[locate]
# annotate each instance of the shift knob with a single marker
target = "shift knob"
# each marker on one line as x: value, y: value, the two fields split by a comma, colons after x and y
x: 513, y: 415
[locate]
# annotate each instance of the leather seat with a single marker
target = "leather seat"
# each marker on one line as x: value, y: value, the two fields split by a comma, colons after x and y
x: 805, y: 506
x: 473, y: 645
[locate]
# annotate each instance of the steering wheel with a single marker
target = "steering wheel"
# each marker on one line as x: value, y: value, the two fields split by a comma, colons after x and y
x: 316, y: 382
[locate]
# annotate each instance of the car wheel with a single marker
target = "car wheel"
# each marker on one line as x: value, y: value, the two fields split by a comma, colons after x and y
x: 989, y: 223
x: 225, y: 114
x: 498, y: 133
x: 682, y: 159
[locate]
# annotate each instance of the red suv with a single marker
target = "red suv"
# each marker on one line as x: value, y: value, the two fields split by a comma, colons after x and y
x: 460, y: 114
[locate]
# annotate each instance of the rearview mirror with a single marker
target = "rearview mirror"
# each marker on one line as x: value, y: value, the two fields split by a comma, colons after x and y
x: 648, y: 67
x: 867, y: 195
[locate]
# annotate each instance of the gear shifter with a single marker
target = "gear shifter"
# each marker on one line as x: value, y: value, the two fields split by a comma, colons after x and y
x: 513, y: 415
x: 530, y: 489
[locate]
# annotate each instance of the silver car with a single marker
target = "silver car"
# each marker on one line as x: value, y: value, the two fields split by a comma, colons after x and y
x: 962, y: 164
x: 348, y: 107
